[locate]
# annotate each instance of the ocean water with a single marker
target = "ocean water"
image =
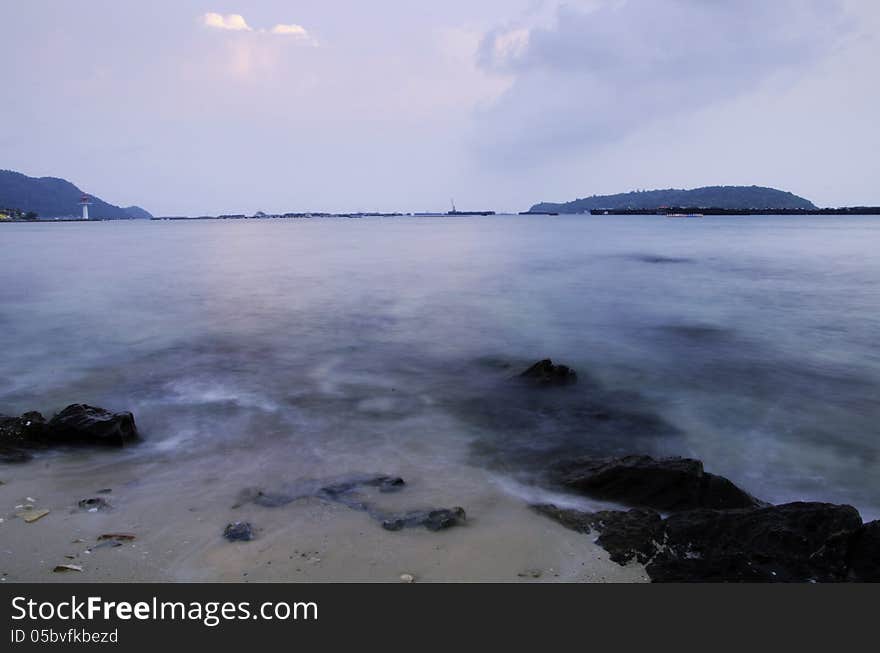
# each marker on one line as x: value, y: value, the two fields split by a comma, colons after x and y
x: 266, y: 351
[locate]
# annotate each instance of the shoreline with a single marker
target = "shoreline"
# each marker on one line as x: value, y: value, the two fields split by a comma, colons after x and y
x: 180, y: 540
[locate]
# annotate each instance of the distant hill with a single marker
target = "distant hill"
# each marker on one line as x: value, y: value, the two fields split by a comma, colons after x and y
x: 719, y: 197
x: 138, y: 212
x: 51, y: 197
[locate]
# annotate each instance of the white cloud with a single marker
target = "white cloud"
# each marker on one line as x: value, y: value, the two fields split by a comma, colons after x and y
x: 294, y: 30
x: 234, y: 22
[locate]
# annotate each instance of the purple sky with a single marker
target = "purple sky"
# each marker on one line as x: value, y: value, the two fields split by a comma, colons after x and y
x: 188, y: 107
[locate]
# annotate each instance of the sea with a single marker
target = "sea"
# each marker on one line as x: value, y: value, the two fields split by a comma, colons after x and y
x: 265, y: 351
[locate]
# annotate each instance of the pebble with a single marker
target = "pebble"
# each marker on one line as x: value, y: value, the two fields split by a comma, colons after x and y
x: 407, y: 578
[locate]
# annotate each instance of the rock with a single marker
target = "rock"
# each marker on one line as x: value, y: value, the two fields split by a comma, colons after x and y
x: 863, y: 555
x: 347, y: 492
x: 19, y: 433
x: 383, y: 483
x: 84, y: 424
x: 238, y: 532
x: 667, y: 484
x: 76, y: 424
x: 774, y: 543
x: 407, y: 578
x: 22, y: 430
x: 433, y: 520
x: 545, y: 373
x: 94, y: 504
x: 794, y: 542
x: 634, y: 534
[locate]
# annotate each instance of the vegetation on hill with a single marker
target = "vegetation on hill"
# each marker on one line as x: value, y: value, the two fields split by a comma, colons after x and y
x: 720, y: 197
x: 51, y: 197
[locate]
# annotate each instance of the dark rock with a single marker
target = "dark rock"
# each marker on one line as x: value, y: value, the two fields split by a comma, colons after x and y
x: 21, y: 431
x: 18, y: 434
x: 433, y: 520
x: 94, y: 504
x: 863, y: 555
x: 625, y: 535
x: 383, y: 483
x: 794, y: 542
x: 83, y: 424
x: 776, y: 543
x: 667, y: 484
x: 238, y: 532
x: 545, y: 373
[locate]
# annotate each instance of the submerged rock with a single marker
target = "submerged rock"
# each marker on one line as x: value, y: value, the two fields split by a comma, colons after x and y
x: 347, y: 491
x: 433, y: 520
x: 238, y: 532
x: 667, y: 484
x: 545, y: 373
x: 794, y: 542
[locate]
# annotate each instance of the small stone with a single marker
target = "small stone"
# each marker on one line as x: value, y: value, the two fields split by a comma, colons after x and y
x: 94, y: 504
x: 238, y: 532
x: 407, y: 578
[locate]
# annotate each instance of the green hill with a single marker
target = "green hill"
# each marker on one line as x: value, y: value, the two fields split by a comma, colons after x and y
x: 51, y: 197
x: 718, y: 197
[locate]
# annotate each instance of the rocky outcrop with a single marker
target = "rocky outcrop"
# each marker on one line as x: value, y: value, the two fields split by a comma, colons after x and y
x: 785, y: 543
x: 433, y: 520
x: 717, y: 531
x: 863, y: 553
x: 666, y: 484
x: 78, y: 424
x: 794, y: 542
x: 545, y: 373
x: 626, y: 535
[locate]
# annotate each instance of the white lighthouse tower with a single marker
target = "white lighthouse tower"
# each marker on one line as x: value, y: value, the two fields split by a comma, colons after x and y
x: 84, y: 201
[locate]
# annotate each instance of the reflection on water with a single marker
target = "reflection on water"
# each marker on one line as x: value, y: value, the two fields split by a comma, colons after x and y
x: 276, y: 348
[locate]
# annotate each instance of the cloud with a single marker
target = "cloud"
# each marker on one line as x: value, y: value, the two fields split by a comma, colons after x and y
x: 296, y: 31
x: 237, y: 23
x: 502, y: 48
x: 601, y: 70
x: 234, y: 22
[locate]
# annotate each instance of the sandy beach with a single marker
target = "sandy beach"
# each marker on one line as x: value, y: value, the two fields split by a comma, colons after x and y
x: 178, y: 535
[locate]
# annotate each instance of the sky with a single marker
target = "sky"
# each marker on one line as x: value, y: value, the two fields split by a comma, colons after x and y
x: 188, y: 107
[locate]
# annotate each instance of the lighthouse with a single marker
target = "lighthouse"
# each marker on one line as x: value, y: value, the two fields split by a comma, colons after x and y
x: 84, y: 201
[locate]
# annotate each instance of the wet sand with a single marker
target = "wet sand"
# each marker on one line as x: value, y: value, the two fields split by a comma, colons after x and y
x: 178, y: 513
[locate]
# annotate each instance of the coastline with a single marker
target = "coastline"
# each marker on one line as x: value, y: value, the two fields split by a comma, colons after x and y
x: 178, y: 538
